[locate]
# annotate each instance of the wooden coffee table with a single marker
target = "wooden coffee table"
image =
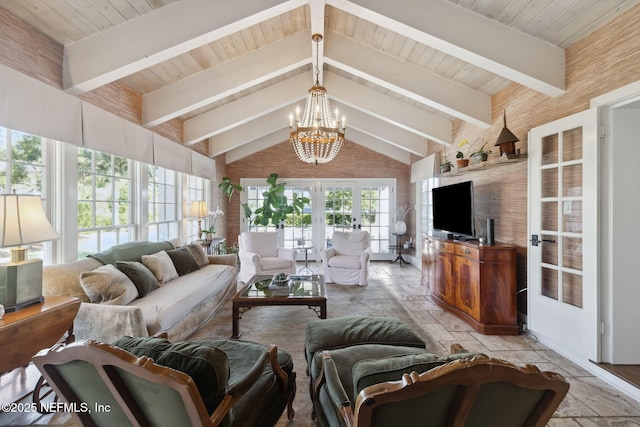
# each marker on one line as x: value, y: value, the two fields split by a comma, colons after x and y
x: 301, y: 290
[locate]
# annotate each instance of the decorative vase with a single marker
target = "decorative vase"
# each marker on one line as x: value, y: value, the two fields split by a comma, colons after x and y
x: 479, y: 157
x: 400, y: 227
x: 445, y: 168
x: 462, y: 163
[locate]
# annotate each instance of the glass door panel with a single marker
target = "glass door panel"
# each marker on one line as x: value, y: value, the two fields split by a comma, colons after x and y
x: 298, y: 228
x: 375, y: 216
x: 338, y: 211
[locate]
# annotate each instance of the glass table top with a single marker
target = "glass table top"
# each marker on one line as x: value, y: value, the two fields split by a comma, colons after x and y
x: 298, y: 286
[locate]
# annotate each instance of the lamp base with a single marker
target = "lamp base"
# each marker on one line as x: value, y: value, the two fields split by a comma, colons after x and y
x: 20, y: 284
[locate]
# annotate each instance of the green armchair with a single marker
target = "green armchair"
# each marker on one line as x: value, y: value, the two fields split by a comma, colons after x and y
x: 150, y: 381
x: 470, y: 391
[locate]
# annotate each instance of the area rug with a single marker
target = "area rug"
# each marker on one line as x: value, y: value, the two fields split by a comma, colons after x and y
x: 284, y: 327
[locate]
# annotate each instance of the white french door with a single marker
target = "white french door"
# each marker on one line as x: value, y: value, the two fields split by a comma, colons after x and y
x: 336, y: 205
x: 563, y: 275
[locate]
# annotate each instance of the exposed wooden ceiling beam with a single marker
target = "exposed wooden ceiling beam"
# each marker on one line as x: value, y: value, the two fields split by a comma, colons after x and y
x: 245, y: 109
x: 229, y: 77
x: 394, y: 74
x: 473, y: 38
x: 278, y: 119
x: 155, y: 37
x: 354, y: 137
x: 386, y: 108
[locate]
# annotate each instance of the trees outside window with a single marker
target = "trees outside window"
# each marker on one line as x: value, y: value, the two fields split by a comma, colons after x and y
x: 104, y: 201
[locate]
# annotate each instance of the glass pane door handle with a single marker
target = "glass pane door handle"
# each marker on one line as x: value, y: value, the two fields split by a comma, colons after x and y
x: 535, y: 241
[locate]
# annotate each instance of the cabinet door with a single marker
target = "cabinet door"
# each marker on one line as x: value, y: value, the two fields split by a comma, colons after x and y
x: 467, y: 285
x: 442, y: 283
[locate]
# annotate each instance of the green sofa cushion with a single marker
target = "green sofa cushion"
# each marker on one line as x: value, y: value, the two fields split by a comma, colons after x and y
x: 207, y: 365
x: 183, y: 260
x: 328, y: 334
x: 130, y: 251
x: 141, y: 276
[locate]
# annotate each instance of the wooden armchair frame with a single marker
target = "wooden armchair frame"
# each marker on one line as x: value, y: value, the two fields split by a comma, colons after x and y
x: 107, y: 360
x: 469, y: 374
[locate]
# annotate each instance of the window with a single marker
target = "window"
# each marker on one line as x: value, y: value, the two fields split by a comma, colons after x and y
x: 196, y: 190
x: 22, y: 169
x: 104, y: 201
x: 163, y: 205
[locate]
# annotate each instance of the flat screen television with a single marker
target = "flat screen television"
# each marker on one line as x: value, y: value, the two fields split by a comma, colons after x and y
x: 453, y: 209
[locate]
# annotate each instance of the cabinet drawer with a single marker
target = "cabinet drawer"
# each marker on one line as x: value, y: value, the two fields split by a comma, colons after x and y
x: 443, y: 246
x: 467, y: 251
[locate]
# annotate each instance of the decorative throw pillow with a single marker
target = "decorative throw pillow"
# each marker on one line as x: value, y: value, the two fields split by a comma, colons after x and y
x: 141, y: 276
x: 198, y: 253
x: 207, y: 365
x: 183, y: 260
x: 161, y: 266
x: 108, y: 285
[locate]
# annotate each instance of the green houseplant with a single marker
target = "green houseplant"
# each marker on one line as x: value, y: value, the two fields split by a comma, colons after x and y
x: 445, y: 164
x: 275, y: 204
x: 480, y: 155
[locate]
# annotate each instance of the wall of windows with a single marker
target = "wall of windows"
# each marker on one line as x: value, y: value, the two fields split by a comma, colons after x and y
x: 94, y: 199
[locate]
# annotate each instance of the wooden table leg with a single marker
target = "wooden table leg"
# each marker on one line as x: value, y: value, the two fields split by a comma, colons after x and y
x: 235, y: 334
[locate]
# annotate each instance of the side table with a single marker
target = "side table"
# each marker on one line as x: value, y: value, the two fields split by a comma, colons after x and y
x: 306, y: 250
x: 25, y: 332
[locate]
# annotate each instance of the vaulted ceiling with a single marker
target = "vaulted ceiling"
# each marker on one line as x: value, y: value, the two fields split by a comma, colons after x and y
x: 401, y: 71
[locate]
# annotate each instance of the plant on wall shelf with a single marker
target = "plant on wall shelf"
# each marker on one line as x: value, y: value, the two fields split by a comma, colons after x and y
x: 445, y: 164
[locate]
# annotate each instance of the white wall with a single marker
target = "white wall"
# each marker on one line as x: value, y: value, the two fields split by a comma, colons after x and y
x: 622, y: 213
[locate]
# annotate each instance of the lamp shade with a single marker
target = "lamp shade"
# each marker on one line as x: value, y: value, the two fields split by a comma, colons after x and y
x: 23, y: 221
x: 198, y: 209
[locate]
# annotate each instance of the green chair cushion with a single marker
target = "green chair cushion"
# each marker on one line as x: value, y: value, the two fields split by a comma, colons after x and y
x: 374, y: 371
x: 206, y: 364
x: 329, y: 334
x: 346, y: 358
x: 264, y: 403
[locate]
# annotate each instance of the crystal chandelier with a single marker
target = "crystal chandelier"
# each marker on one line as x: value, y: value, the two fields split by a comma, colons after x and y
x: 318, y: 136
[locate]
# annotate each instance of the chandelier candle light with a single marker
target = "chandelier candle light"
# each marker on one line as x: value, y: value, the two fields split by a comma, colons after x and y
x: 318, y: 135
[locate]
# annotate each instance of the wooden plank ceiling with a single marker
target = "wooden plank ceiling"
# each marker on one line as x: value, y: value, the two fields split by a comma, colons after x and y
x: 400, y: 71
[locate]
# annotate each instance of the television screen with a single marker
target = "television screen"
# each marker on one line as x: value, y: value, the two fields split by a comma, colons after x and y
x: 453, y: 209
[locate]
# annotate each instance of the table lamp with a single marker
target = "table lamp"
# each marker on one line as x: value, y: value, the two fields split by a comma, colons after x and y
x: 22, y: 222
x: 198, y: 209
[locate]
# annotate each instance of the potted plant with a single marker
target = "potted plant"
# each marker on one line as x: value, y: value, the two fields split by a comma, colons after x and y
x: 461, y: 161
x: 445, y: 164
x: 275, y: 204
x: 480, y: 155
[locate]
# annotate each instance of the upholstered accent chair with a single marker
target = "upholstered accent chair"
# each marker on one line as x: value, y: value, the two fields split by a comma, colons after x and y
x: 470, y: 391
x: 259, y: 254
x: 152, y: 382
x: 366, y: 367
x: 347, y: 261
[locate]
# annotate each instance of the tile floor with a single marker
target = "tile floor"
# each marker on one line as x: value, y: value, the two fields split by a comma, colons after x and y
x: 590, y: 402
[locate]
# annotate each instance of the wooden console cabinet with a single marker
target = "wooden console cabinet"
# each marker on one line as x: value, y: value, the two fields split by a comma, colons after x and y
x: 475, y: 282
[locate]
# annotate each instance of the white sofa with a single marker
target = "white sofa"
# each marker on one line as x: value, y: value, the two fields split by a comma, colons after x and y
x: 178, y: 307
x: 347, y: 261
x: 259, y: 254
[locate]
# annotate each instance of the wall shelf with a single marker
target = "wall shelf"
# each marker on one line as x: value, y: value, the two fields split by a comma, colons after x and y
x: 498, y: 161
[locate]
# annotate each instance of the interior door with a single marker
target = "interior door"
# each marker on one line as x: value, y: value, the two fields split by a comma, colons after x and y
x: 563, y: 275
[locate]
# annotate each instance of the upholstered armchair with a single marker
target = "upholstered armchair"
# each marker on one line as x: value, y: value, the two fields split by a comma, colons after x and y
x: 347, y: 261
x: 259, y: 254
x: 152, y: 382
